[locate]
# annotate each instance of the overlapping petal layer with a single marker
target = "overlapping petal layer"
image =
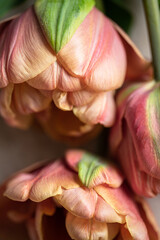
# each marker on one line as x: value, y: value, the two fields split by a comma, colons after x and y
x: 135, y: 137
x: 98, y: 212
x: 79, y: 77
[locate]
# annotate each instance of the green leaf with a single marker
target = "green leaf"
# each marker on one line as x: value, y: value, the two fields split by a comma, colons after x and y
x: 6, y: 5
x: 60, y: 18
x: 118, y: 12
x: 89, y: 168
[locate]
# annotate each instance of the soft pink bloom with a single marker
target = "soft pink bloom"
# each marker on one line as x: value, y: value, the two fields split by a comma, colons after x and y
x: 80, y: 78
x: 75, y: 197
x: 135, y: 137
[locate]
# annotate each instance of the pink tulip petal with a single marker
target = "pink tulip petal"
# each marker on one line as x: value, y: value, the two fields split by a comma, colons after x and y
x: 80, y: 228
x: 46, y: 80
x: 73, y: 157
x: 61, y: 100
x: 105, y: 213
x: 80, y: 201
x: 55, y: 76
x: 8, y: 111
x: 4, y: 24
x: 53, y: 178
x: 29, y: 100
x: 105, y: 173
x: 137, y: 127
x: 96, y: 53
x: 82, y: 97
x: 67, y: 82
x: 101, y: 110
x: 23, y: 57
x: 120, y: 200
x: 137, y: 66
x: 150, y: 186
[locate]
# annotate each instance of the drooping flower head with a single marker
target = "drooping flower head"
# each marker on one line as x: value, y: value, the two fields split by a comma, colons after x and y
x: 135, y: 137
x: 67, y: 55
x: 77, y: 197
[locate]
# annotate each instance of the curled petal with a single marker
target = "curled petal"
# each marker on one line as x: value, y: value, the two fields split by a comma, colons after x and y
x: 61, y: 100
x: 100, y: 110
x: 8, y: 110
x: 80, y: 228
x: 102, y: 62
x: 6, y: 22
x: 53, y: 178
x: 82, y: 97
x: 55, y: 76
x: 68, y: 82
x: 46, y: 80
x: 80, y: 201
x: 105, y: 213
x: 22, y: 57
x: 29, y: 100
x: 120, y: 200
x: 137, y: 66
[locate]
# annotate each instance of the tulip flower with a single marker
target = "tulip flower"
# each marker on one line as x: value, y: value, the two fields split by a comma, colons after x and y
x: 76, y: 197
x: 72, y: 58
x: 135, y: 137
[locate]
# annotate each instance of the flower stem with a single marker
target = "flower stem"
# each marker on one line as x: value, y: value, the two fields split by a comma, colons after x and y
x: 152, y: 13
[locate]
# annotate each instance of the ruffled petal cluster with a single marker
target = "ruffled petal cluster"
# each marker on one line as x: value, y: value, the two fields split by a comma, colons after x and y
x: 78, y: 197
x: 81, y: 77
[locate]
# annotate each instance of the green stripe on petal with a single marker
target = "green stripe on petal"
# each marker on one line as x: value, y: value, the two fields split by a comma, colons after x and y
x: 89, y: 168
x: 61, y: 18
x: 153, y: 117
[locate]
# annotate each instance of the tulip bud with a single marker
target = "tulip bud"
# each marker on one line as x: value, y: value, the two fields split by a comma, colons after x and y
x: 68, y: 53
x: 135, y: 137
x: 78, y: 197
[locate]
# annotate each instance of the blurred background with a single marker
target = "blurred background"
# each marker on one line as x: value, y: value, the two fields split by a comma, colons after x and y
x: 18, y: 148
